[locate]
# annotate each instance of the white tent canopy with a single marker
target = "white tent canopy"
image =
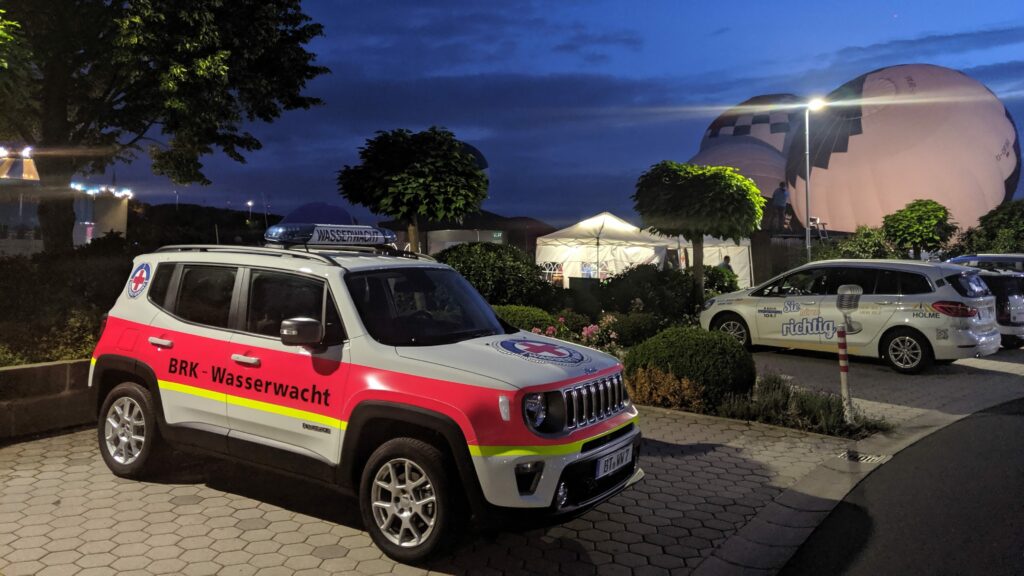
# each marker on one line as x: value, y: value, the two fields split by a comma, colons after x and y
x: 715, y: 250
x: 599, y: 247
x: 605, y: 245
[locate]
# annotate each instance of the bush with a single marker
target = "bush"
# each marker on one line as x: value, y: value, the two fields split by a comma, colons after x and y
x: 719, y: 281
x: 775, y: 401
x: 59, y: 322
x: 502, y: 274
x: 866, y: 242
x: 525, y: 317
x: 634, y: 328
x: 654, y: 387
x: 666, y: 293
x: 716, y: 364
x: 574, y: 321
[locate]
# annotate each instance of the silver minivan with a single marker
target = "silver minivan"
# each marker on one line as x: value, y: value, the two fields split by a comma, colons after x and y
x: 908, y: 313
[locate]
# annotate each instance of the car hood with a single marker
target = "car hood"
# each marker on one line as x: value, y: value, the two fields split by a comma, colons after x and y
x: 521, y: 359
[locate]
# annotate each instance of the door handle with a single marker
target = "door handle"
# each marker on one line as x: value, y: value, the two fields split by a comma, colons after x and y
x: 247, y: 360
x: 160, y: 342
x: 886, y: 303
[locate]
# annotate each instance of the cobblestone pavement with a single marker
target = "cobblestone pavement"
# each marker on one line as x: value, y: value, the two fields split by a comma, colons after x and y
x: 62, y: 512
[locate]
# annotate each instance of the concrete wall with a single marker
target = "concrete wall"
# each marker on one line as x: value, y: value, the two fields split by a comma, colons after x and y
x: 45, y: 397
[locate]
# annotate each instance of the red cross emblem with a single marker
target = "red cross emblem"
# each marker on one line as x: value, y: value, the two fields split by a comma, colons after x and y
x: 138, y: 280
x: 541, y: 348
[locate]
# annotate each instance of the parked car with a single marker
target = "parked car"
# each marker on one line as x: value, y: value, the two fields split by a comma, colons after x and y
x: 1008, y: 288
x: 910, y: 314
x: 1008, y: 262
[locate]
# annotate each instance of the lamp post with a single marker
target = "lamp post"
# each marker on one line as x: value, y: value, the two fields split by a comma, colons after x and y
x: 249, y: 204
x: 814, y: 105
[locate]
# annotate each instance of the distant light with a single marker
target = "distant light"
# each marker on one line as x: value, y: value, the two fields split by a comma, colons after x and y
x: 816, y: 104
x: 26, y: 152
x: 3, y: 152
x: 249, y: 204
x: 95, y: 191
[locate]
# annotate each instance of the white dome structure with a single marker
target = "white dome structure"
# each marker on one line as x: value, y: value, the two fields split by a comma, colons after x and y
x: 753, y: 158
x: 904, y: 133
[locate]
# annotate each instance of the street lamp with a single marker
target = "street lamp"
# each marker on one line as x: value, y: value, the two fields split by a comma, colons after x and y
x: 249, y: 204
x: 814, y: 105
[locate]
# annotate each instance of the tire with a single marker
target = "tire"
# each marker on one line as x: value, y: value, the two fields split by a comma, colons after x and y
x: 413, y: 532
x: 127, y: 430
x: 907, y: 351
x: 734, y: 326
x: 1012, y: 342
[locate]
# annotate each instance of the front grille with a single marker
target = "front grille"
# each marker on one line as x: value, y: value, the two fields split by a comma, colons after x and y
x: 594, y: 401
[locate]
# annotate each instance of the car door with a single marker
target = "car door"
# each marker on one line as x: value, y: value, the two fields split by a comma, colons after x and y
x: 185, y: 339
x: 287, y: 398
x: 787, y: 310
x: 874, y: 307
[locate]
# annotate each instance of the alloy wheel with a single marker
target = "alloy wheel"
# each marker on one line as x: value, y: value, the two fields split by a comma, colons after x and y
x: 404, y: 504
x: 905, y: 352
x: 125, y: 430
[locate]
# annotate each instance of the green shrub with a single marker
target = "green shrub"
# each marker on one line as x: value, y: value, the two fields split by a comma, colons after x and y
x: 666, y: 293
x: 574, y: 321
x: 633, y: 329
x: 716, y: 364
x: 719, y: 281
x: 775, y: 401
x: 654, y: 387
x: 502, y: 274
x: 525, y: 317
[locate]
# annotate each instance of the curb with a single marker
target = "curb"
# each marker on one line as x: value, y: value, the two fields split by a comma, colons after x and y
x: 764, y: 545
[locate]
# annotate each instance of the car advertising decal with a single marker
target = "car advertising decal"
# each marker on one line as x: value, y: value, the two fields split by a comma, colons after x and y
x: 537, y: 351
x: 768, y: 311
x: 789, y: 306
x: 139, y: 280
x: 809, y: 326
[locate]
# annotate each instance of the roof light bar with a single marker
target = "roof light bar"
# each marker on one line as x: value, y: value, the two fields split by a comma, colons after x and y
x: 329, y: 235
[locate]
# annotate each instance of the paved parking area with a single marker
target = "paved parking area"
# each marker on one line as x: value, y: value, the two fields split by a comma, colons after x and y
x: 63, y: 513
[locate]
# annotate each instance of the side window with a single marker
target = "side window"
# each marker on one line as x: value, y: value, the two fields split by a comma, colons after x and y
x: 863, y: 277
x: 888, y: 283
x: 803, y: 283
x: 204, y: 296
x: 161, y: 282
x: 278, y: 296
x: 911, y: 283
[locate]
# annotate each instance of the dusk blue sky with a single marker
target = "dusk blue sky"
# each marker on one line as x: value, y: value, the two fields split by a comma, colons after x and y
x: 571, y: 101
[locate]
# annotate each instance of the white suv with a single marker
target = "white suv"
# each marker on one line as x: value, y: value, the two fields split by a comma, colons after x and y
x: 909, y: 313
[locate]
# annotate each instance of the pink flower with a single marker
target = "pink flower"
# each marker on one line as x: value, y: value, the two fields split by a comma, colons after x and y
x: 561, y: 319
x: 550, y: 331
x: 535, y: 330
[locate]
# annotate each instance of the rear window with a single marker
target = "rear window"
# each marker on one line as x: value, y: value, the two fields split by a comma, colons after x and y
x: 1005, y: 285
x: 969, y: 285
x: 911, y: 283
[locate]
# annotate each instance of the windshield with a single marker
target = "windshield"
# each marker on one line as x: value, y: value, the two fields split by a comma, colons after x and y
x: 420, y: 306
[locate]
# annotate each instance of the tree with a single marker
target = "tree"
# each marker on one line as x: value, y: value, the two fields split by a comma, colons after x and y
x: 695, y: 201
x: 410, y: 176
x: 1000, y: 231
x: 920, y: 225
x: 90, y: 81
x: 502, y: 274
x: 866, y: 242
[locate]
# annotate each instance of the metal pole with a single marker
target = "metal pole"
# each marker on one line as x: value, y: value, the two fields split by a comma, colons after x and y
x: 844, y: 368
x: 807, y: 181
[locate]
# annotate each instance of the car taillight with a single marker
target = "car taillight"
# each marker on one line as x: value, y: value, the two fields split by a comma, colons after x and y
x: 955, y: 309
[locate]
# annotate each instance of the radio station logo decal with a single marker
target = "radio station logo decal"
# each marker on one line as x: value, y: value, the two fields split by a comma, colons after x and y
x: 541, y: 351
x: 139, y: 280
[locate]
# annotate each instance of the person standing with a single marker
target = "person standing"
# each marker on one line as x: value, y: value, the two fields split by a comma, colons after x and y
x: 777, y: 215
x: 725, y: 265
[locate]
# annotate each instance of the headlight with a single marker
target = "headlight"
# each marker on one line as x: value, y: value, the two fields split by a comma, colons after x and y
x: 535, y: 409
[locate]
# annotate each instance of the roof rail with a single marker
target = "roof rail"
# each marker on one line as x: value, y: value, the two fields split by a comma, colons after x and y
x: 376, y: 249
x: 248, y: 250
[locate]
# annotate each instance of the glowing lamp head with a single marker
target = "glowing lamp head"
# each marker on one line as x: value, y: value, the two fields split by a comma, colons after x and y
x: 816, y: 104
x: 249, y: 203
x: 26, y: 152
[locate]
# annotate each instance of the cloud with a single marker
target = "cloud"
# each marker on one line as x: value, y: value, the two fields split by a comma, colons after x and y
x: 721, y: 31
x: 915, y: 49
x: 581, y: 42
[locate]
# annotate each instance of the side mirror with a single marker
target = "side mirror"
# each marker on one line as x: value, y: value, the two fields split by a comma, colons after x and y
x: 301, y: 332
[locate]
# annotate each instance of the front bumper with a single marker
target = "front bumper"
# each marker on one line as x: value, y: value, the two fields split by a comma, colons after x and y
x: 585, y: 491
x: 577, y: 468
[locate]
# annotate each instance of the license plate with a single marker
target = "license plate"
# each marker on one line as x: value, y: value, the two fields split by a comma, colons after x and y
x: 614, y: 461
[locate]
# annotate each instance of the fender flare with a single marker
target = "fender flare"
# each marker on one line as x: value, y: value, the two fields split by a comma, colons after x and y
x: 369, y: 410
x: 128, y: 365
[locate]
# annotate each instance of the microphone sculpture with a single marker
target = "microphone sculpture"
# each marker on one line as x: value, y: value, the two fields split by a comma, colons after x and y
x: 847, y: 301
